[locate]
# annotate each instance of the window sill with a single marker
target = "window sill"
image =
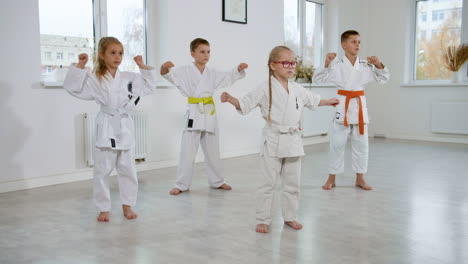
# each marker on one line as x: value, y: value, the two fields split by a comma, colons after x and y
x: 159, y: 84
x: 48, y: 84
x: 434, y: 84
x: 313, y: 85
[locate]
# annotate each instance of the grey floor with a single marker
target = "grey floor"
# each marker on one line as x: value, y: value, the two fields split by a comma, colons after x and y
x: 418, y: 213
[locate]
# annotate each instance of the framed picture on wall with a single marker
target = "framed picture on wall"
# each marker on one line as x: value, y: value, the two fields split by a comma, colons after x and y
x: 235, y: 11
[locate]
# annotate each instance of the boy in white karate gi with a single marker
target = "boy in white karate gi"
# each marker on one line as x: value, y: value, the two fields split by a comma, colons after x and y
x: 117, y: 93
x: 198, y: 82
x: 281, y: 102
x: 350, y: 74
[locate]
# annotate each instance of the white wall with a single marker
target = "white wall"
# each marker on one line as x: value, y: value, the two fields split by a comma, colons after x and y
x: 398, y: 111
x: 42, y: 132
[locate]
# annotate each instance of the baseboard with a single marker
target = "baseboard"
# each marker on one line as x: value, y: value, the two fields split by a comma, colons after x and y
x: 444, y: 139
x: 87, y: 174
x: 316, y: 140
x: 23, y: 184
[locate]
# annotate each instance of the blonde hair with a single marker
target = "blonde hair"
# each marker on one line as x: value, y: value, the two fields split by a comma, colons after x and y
x: 274, y: 55
x: 100, y: 67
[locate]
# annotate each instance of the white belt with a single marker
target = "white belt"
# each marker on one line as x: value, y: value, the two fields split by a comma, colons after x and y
x: 284, y: 129
x: 117, y: 115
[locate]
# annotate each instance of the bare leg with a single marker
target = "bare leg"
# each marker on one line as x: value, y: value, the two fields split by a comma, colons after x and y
x: 128, y: 212
x: 361, y: 183
x: 262, y: 228
x: 225, y: 187
x: 175, y: 191
x: 103, y: 217
x: 330, y: 182
x: 294, y: 225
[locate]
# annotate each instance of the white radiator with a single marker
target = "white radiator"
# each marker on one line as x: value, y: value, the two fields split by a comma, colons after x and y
x: 140, y: 120
x: 449, y: 117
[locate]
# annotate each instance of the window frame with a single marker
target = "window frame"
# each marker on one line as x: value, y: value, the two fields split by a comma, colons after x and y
x: 100, y: 24
x: 302, y: 26
x: 100, y: 30
x: 410, y: 77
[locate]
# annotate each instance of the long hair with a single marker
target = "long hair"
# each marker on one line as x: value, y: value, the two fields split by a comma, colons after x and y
x: 100, y: 67
x: 274, y: 55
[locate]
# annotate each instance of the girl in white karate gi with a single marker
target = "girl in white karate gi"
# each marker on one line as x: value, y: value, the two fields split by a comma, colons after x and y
x: 117, y: 93
x: 281, y: 102
x: 350, y: 74
x: 198, y: 82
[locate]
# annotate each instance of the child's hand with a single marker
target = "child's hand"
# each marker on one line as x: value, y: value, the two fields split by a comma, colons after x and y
x: 139, y: 60
x: 167, y: 65
x: 329, y: 58
x: 242, y: 67
x: 333, y: 102
x: 225, y: 96
x: 82, y: 60
x: 375, y: 61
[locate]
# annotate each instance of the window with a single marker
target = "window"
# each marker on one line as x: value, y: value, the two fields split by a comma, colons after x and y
x: 424, y: 16
x: 65, y: 30
x: 444, y: 29
x: 423, y: 34
x: 438, y: 15
x: 47, y: 55
x: 71, y: 27
x: 126, y: 21
x: 303, y: 29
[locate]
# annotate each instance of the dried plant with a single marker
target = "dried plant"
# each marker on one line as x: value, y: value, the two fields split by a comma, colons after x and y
x: 303, y: 71
x: 455, y: 56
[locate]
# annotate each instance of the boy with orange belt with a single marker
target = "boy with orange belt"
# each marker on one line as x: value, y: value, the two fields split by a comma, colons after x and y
x: 350, y: 74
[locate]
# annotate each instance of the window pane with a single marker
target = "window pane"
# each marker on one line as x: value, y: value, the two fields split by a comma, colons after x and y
x: 66, y: 27
x: 126, y: 21
x: 444, y: 28
x: 291, y: 25
x: 312, y: 49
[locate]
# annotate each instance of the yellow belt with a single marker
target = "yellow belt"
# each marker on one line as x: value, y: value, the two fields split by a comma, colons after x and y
x: 204, y: 100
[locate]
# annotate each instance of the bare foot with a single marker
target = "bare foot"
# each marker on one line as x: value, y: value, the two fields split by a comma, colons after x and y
x: 294, y: 224
x: 175, y: 191
x: 103, y: 217
x: 128, y: 212
x: 262, y: 228
x: 363, y: 185
x: 328, y: 186
x: 225, y: 187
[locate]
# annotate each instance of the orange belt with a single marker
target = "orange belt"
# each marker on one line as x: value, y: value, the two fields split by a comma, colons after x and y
x: 349, y: 95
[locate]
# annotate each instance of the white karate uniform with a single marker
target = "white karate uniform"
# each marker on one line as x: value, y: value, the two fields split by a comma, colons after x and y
x: 282, y: 148
x: 350, y: 78
x: 115, y: 139
x: 200, y: 124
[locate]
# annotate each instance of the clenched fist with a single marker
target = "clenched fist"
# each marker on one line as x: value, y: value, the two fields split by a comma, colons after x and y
x: 242, y: 67
x: 375, y: 61
x: 82, y: 60
x: 225, y: 96
x: 329, y: 58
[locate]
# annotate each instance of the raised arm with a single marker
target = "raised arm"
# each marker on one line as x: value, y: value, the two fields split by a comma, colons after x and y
x: 380, y: 72
x: 324, y: 74
x: 146, y: 79
x: 246, y: 103
x: 225, y: 79
x: 78, y: 81
x: 175, y: 76
x: 312, y: 100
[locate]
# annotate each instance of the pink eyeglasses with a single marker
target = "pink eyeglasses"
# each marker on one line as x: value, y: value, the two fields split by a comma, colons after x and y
x: 287, y: 64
